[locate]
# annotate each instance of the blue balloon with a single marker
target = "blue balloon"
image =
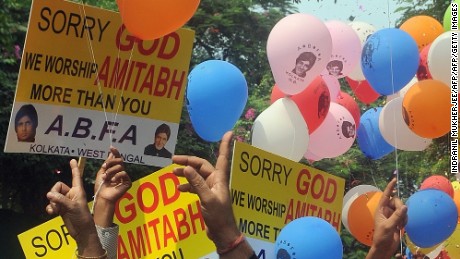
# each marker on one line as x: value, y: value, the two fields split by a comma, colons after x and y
x: 432, y: 217
x: 369, y: 137
x: 216, y: 95
x: 308, y: 237
x: 389, y: 60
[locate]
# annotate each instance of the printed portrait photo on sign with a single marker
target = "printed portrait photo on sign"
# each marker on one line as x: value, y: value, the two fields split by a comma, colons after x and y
x: 157, y: 148
x: 25, y: 123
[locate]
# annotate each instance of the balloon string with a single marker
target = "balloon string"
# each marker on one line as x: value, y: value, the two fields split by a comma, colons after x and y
x: 93, y: 59
x: 396, y: 172
x: 91, y: 51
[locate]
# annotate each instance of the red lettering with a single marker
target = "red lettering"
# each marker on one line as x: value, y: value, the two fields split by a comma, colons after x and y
x: 130, y: 208
x: 155, y: 197
x: 183, y: 228
x: 315, y: 192
x: 168, y: 231
x: 302, y: 185
x: 174, y: 181
x: 331, y: 188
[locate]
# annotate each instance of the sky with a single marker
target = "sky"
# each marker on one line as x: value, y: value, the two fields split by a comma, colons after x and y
x: 378, y: 13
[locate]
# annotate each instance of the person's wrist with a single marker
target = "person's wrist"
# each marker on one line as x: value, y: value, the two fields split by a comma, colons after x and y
x: 103, y: 212
x: 88, y: 243
x: 376, y: 252
x: 223, y: 238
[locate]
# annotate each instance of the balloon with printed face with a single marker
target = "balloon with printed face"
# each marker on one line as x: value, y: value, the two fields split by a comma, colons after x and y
x: 335, y: 135
x: 423, y: 29
x: 426, y: 108
x: 216, y: 96
x: 439, y: 58
x: 313, y: 102
x: 152, y: 19
x: 389, y: 60
x: 350, y: 104
x: 298, y: 49
x: 364, y: 31
x: 370, y: 139
x: 395, y: 130
x: 308, y: 237
x: 281, y: 129
x: 346, y: 49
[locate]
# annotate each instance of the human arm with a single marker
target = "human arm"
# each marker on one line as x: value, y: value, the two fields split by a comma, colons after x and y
x: 112, y: 182
x: 211, y: 184
x: 390, y: 219
x: 71, y: 204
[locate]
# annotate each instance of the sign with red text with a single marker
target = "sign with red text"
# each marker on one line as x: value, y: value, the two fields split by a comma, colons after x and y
x: 269, y: 191
x: 85, y: 83
x: 155, y: 220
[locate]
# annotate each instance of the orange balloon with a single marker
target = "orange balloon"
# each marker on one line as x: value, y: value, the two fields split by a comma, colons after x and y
x: 153, y: 19
x: 426, y: 108
x: 313, y: 102
x: 423, y: 29
x: 361, y: 216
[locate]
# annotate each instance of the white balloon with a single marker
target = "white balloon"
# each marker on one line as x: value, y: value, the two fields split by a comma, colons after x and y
x: 404, y: 90
x: 439, y: 57
x: 364, y: 30
x: 351, y: 196
x: 281, y: 129
x: 435, y: 252
x: 396, y: 132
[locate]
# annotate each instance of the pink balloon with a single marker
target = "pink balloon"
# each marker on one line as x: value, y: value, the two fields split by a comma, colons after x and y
x: 346, y: 49
x: 333, y: 84
x: 349, y: 102
x: 335, y: 135
x: 298, y: 49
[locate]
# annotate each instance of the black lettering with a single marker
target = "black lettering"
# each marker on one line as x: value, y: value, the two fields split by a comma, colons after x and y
x: 34, y: 244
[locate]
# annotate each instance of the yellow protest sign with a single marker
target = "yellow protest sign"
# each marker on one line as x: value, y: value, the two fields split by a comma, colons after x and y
x: 155, y: 219
x: 91, y: 85
x: 269, y: 191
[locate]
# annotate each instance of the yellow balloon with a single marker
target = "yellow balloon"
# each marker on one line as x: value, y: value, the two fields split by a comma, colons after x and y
x: 414, y: 249
x: 452, y: 244
x: 456, y: 185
